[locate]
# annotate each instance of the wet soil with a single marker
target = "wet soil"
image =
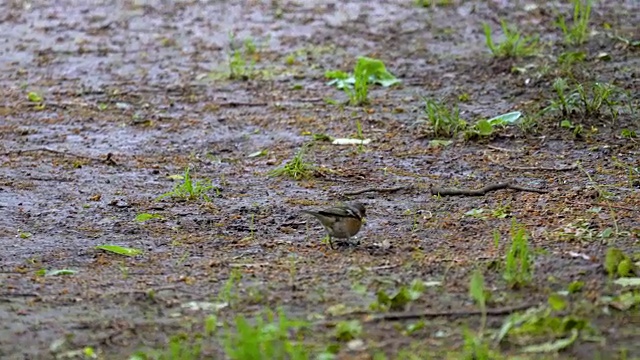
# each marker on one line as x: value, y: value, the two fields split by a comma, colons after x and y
x: 147, y: 83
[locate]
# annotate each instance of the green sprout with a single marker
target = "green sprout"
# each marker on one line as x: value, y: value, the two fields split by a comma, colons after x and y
x: 190, y: 190
x: 296, y: 168
x: 578, y: 32
x: 515, y: 44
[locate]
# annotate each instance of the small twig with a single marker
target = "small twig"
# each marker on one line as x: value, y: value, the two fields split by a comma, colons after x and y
x: 535, y: 168
x: 482, y: 191
x: 451, y: 313
x: 370, y: 318
x: 151, y: 290
x: 381, y: 190
x: 108, y: 160
x: 503, y: 149
x: 239, y: 103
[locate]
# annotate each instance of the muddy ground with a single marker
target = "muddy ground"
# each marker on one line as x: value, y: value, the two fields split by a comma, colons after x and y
x: 148, y: 82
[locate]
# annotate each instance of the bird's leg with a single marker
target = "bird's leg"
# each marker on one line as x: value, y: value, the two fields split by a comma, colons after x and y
x: 331, y: 243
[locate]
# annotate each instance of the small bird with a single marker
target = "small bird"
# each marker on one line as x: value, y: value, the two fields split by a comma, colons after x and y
x: 341, y: 221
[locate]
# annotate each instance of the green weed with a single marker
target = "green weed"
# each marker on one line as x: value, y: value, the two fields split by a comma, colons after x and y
x: 486, y: 128
x: 190, y: 189
x: 399, y: 298
x: 517, y: 269
x: 539, y: 324
x: 265, y: 337
x: 296, y: 168
x: 515, y: 44
x: 593, y: 99
x: 619, y: 264
x: 578, y: 32
x: 367, y: 71
x: 228, y: 294
x: 242, y: 60
x: 348, y: 330
x: 445, y: 121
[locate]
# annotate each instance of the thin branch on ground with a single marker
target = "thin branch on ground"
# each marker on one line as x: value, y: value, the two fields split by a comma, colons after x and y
x: 108, y: 160
x: 397, y: 316
x: 535, y: 168
x: 380, y: 190
x: 482, y: 191
x: 503, y: 149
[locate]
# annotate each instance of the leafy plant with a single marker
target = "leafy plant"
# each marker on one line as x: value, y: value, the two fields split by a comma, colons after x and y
x: 142, y: 217
x: 588, y: 101
x: 539, y: 324
x: 296, y: 168
x: 400, y: 298
x: 517, y: 269
x: 619, y: 264
x: 189, y: 189
x: 477, y: 292
x: 514, y: 45
x: 597, y: 96
x: 445, y: 121
x: 119, y: 250
x: 348, y: 330
x: 265, y: 337
x: 565, y: 101
x: 485, y: 128
x: 367, y: 71
x: 242, y: 60
x: 578, y: 32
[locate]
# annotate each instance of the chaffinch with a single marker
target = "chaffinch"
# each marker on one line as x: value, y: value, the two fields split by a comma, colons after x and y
x: 341, y: 221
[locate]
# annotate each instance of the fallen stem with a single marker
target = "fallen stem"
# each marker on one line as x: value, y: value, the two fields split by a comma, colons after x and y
x: 482, y: 191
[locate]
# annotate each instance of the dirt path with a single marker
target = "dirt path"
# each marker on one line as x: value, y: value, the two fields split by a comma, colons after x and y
x: 102, y: 104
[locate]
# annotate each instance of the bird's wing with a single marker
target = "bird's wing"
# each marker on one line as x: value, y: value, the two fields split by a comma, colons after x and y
x: 336, y: 212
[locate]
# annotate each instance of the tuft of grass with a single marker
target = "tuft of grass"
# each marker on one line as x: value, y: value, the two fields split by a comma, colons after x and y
x: 518, y: 271
x: 589, y: 101
x: 399, y: 298
x: 515, y: 44
x: 242, y: 59
x: 296, y: 168
x: 578, y: 32
x: 265, y: 337
x: 190, y: 190
x: 445, y: 121
x: 566, y: 101
x: 596, y: 97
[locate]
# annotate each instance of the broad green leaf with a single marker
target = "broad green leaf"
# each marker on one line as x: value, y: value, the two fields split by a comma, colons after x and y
x: 119, y: 250
x: 557, y: 302
x: 484, y: 128
x: 437, y: 143
x: 258, y: 153
x: 60, y: 272
x: 476, y: 288
x: 508, y: 118
x: 553, y: 346
x: 146, y: 216
x: 34, y: 97
x: 627, y: 281
x: 575, y: 286
x: 625, y: 301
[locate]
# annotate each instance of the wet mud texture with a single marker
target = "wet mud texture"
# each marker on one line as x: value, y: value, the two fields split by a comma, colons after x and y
x: 147, y: 83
